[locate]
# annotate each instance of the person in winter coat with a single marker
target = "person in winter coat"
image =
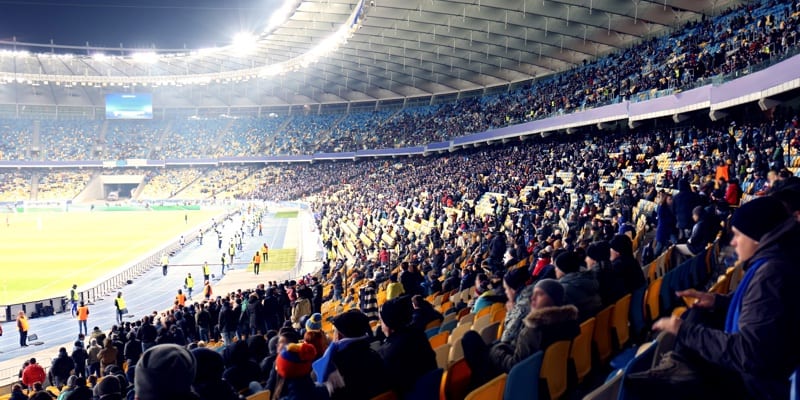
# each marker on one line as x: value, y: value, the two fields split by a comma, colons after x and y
x: 360, y: 367
x: 300, y: 309
x: 682, y: 205
x: 625, y: 265
x: 241, y: 370
x: 61, y: 368
x: 33, y: 373
x: 79, y: 357
x: 294, y: 370
x: 701, y: 234
x: 581, y: 287
x: 208, y: 382
x: 368, y: 300
x: 756, y: 349
x: 518, y: 305
x: 423, y: 313
x: 665, y: 224
x: 406, y: 351
x: 549, y: 321
x: 598, y: 260
x: 108, y: 355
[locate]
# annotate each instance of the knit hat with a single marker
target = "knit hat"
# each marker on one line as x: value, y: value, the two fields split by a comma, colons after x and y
x: 210, y: 365
x: 396, y: 313
x: 295, y: 360
x: 108, y: 385
x: 164, y: 372
x: 314, y: 322
x: 599, y: 251
x: 554, y: 290
x: 516, y: 278
x: 568, y: 262
x: 621, y: 244
x: 352, y: 324
x: 759, y: 216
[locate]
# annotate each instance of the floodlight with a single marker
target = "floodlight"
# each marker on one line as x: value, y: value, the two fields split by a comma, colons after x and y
x: 146, y: 58
x: 244, y: 42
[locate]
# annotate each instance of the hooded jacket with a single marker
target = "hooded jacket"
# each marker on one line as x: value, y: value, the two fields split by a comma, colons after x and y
x: 683, y: 203
x: 766, y: 350
x: 582, y: 290
x: 542, y: 327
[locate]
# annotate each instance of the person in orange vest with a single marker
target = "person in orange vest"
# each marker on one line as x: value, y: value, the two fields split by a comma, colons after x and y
x: 83, y: 317
x: 256, y: 262
x: 207, y: 292
x: 22, y: 326
x: 265, y: 252
x: 180, y: 298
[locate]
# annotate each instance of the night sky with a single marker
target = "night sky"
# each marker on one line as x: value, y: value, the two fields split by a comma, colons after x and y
x: 134, y: 23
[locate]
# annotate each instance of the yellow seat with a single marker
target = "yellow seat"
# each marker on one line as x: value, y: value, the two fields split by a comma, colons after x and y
x: 651, y: 299
x: 439, y: 339
x: 262, y: 395
x: 491, y: 390
x: 581, y: 352
x: 490, y: 333
x: 499, y: 315
x: 619, y: 321
x: 455, y: 381
x: 554, y: 368
x: 483, y: 311
x: 602, y: 334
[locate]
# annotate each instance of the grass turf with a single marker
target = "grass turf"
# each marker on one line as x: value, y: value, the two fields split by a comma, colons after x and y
x: 279, y: 260
x: 43, y: 254
x: 286, y: 214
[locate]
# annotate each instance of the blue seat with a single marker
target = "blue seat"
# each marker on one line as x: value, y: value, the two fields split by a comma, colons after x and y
x: 427, y: 386
x: 795, y: 393
x: 636, y: 314
x: 432, y: 332
x: 523, y: 379
x: 640, y: 363
x: 449, y: 326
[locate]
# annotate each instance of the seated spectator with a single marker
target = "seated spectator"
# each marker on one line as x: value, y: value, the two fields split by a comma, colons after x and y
x: 165, y: 372
x: 40, y: 393
x: 700, y: 236
x: 286, y: 336
x: 598, y: 260
x: 518, y: 305
x: 33, y: 373
x: 350, y: 354
x: 624, y: 264
x: 294, y: 374
x: 548, y: 322
x: 492, y: 293
x: 423, y: 313
x: 406, y: 350
x: 756, y: 350
x: 208, y: 382
x: 81, y: 391
x: 581, y: 287
x: 16, y: 393
x: 240, y: 369
x: 394, y: 289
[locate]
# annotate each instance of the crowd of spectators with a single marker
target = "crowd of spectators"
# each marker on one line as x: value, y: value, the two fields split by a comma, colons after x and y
x: 68, y: 139
x: 62, y: 185
x: 168, y: 183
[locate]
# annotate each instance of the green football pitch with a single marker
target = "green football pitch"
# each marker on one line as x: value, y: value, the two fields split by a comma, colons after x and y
x: 43, y: 254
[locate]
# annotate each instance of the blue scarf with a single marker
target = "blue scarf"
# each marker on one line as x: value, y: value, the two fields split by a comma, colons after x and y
x: 735, y: 307
x: 325, y: 366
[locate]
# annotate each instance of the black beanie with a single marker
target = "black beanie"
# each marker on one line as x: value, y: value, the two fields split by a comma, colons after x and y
x: 352, y: 324
x: 396, y: 313
x: 759, y: 216
x: 568, y: 262
x: 210, y: 365
x: 516, y: 278
x: 164, y: 372
x: 599, y: 251
x: 622, y: 244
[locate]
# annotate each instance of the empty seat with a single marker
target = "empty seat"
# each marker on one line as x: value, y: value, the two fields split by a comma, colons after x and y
x: 491, y: 390
x: 439, y: 339
x: 523, y: 379
x: 442, y: 355
x: 581, y: 352
x: 620, y: 330
x: 602, y: 334
x: 455, y: 383
x: 554, y: 368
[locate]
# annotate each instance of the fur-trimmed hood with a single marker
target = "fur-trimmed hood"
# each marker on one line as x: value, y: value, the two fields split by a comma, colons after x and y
x: 551, y: 316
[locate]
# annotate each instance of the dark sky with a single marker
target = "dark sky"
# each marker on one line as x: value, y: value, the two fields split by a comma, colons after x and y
x: 135, y: 23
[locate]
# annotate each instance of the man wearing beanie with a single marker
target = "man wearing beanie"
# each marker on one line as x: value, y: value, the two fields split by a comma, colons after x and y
x: 294, y: 371
x: 580, y: 287
x: 165, y: 372
x: 350, y: 354
x: 406, y: 351
x: 208, y: 382
x: 753, y: 354
x: 597, y: 260
x: 550, y: 320
x: 624, y: 266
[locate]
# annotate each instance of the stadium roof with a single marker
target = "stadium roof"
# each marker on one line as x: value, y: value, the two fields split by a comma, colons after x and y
x: 387, y: 49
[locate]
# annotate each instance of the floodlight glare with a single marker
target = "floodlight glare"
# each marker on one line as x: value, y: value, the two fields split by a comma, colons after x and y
x: 244, y: 42
x: 147, y: 57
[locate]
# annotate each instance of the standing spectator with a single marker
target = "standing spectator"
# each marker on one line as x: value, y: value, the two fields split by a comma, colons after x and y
x: 94, y: 357
x: 22, y: 326
x: 79, y: 357
x: 203, y: 319
x: 394, y: 289
x: 301, y: 308
x: 368, y: 300
x: 208, y: 383
x: 132, y: 350
x: 33, y: 373
x: 165, y: 372
x: 164, y: 263
x: 338, y: 286
x: 682, y: 204
x: 73, y: 298
x: 120, y: 306
x: 411, y: 279
x: 108, y: 355
x: 83, y: 318
x: 188, y: 283
x: 294, y: 371
x: 518, y: 305
x: 665, y: 220
x: 60, y: 368
x: 316, y: 289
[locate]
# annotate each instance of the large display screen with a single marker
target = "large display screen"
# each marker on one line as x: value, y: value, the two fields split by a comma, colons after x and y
x: 129, y: 106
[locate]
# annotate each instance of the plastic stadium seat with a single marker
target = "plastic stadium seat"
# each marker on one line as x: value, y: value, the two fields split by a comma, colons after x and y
x: 448, y: 326
x: 554, y: 368
x: 430, y: 332
x: 609, y: 390
x: 491, y: 390
x: 456, y: 352
x: 499, y: 315
x: 481, y: 322
x: 442, y: 355
x: 523, y: 379
x: 262, y: 395
x: 490, y: 333
x: 427, y: 386
x: 439, y: 339
x: 795, y: 393
x: 448, y: 318
x: 466, y: 318
x: 484, y: 311
x: 602, y: 334
x: 433, y: 324
x: 581, y: 352
x: 642, y: 362
x: 619, y: 322
x: 455, y: 383
x: 651, y: 300
x: 458, y: 333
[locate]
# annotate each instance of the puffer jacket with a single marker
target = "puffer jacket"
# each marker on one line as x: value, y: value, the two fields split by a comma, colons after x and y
x: 582, y: 290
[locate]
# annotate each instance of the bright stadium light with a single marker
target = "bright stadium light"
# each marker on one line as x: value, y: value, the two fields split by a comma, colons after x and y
x: 99, y: 57
x: 244, y: 43
x: 145, y: 58
x: 280, y: 15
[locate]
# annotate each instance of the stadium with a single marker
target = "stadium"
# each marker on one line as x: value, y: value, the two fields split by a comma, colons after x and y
x: 390, y: 199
